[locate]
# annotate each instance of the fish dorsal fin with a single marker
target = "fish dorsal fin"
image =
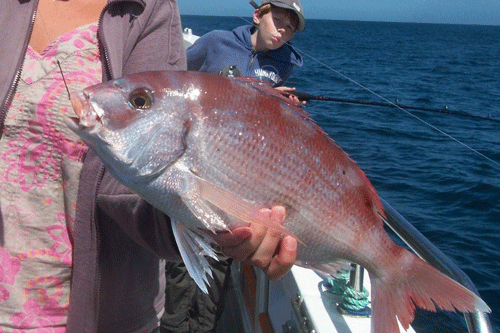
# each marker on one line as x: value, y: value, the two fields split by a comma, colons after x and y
x: 252, y: 80
x: 268, y: 89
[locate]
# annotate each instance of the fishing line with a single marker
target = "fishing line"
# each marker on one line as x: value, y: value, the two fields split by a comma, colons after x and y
x: 399, y: 107
x: 383, y: 98
x: 59, y: 64
x: 39, y: 14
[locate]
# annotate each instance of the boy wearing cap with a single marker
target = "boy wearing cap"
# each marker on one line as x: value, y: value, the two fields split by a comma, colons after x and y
x: 262, y: 50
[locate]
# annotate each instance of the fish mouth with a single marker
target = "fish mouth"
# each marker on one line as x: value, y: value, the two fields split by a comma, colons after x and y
x: 87, y: 116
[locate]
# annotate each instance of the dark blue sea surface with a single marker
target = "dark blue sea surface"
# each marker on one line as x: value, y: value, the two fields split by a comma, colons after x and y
x: 440, y: 171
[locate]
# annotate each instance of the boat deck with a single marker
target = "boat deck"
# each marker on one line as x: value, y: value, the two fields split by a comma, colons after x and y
x: 299, y: 302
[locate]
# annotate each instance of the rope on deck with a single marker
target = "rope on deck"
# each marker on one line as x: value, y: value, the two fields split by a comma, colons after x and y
x: 354, y: 302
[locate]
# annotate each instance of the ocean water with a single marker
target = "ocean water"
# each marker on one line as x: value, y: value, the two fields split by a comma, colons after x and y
x: 440, y: 171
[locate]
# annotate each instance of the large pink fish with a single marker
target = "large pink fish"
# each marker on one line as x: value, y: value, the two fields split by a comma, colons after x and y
x: 210, y: 151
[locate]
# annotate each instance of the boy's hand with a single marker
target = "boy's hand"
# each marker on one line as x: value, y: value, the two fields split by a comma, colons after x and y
x: 288, y: 92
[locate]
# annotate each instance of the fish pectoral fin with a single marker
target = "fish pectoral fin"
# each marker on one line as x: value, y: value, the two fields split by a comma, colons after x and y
x: 241, y: 209
x: 204, y: 212
x: 194, y: 247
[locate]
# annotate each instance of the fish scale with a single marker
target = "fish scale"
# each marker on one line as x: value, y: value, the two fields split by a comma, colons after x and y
x: 320, y: 191
x: 215, y: 150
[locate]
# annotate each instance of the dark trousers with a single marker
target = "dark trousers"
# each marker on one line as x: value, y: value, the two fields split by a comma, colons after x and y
x: 187, y: 308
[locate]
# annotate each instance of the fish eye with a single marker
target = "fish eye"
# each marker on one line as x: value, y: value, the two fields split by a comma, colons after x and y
x: 141, y: 99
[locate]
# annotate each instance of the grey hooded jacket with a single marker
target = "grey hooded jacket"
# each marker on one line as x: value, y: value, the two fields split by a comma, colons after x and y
x: 118, y: 278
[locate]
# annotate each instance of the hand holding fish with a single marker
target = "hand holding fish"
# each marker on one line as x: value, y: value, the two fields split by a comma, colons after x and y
x: 264, y: 248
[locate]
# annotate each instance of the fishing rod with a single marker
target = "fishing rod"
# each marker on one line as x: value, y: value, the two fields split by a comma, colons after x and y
x: 306, y: 97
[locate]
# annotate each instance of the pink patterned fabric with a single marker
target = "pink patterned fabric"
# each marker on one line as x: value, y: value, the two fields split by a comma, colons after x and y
x: 40, y: 164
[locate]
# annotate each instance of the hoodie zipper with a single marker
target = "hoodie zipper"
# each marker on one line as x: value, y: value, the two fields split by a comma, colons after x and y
x: 107, y: 74
x: 107, y: 70
x: 10, y: 94
x: 97, y: 282
x: 252, y: 59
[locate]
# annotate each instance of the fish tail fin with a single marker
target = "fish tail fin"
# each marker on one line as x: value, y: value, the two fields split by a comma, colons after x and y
x: 417, y: 285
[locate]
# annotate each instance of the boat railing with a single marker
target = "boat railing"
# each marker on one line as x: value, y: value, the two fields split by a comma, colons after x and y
x: 476, y: 322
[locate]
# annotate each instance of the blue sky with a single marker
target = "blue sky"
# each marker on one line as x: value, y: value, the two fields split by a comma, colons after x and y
x: 423, y: 11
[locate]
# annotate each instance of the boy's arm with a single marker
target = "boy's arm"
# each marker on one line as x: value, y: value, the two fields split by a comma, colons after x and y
x: 197, y: 54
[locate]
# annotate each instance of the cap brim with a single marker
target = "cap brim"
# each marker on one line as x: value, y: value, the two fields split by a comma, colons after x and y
x: 300, y: 16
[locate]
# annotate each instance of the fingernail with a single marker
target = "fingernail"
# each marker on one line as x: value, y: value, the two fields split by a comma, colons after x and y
x: 242, y: 232
x: 291, y: 244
